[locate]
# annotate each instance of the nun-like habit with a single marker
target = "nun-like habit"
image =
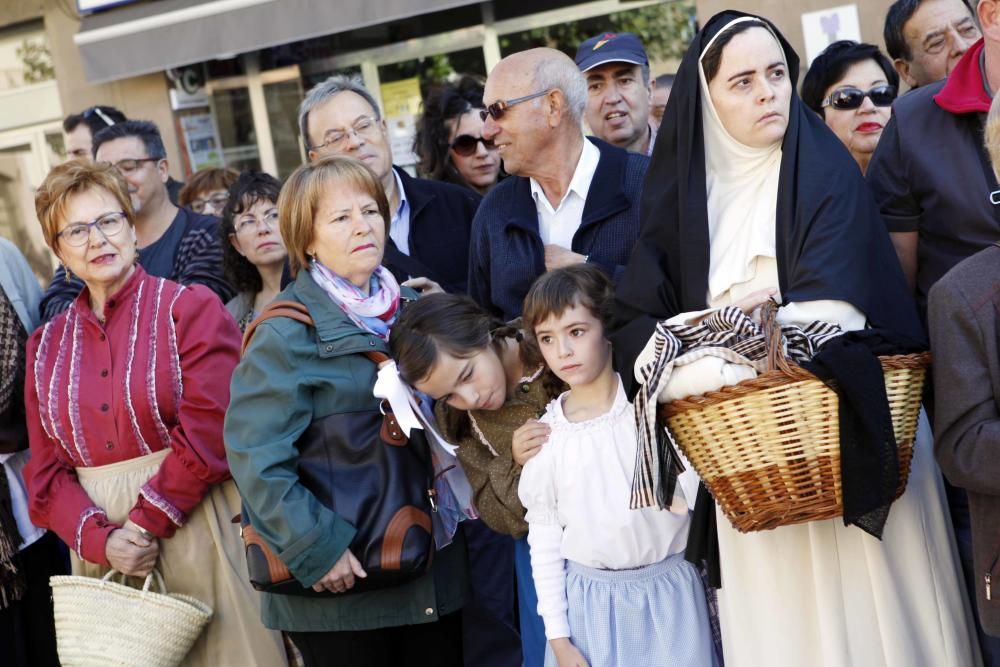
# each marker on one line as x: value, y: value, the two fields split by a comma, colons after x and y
x: 721, y: 220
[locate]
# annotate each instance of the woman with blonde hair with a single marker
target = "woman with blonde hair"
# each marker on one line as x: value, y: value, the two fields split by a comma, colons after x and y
x: 293, y: 397
x: 126, y: 393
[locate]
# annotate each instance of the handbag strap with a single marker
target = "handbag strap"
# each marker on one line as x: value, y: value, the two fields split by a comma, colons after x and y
x: 298, y: 312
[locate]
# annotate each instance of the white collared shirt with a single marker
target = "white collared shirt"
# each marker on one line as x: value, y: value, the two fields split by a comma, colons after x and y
x: 558, y: 225
x: 399, y: 224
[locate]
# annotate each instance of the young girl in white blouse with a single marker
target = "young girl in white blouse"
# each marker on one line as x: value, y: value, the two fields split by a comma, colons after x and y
x: 613, y: 585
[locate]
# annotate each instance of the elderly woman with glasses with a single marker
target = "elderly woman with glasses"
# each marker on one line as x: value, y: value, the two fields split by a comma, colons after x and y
x: 125, y: 394
x: 450, y: 141
x: 207, y: 191
x: 852, y: 87
x: 253, y: 253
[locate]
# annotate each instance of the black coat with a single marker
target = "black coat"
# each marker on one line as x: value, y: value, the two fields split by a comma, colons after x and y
x: 440, y: 226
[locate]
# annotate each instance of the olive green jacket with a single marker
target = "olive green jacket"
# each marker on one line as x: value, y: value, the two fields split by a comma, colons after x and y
x: 292, y: 374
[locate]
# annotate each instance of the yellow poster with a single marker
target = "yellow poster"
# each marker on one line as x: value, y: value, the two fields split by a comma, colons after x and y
x: 401, y: 101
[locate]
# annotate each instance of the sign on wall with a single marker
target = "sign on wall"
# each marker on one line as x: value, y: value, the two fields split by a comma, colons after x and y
x: 401, y: 101
x: 826, y: 26
x: 201, y: 141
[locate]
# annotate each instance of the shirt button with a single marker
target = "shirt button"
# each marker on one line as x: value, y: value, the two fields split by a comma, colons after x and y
x: 372, y: 343
x: 429, y: 611
x: 329, y: 348
x: 104, y: 407
x: 109, y: 445
x: 103, y: 337
x: 104, y: 373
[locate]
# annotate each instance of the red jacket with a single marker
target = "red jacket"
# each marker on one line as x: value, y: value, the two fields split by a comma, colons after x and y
x: 154, y: 376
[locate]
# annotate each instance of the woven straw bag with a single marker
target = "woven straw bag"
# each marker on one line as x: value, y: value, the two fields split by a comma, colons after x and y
x: 102, y: 622
x: 768, y: 448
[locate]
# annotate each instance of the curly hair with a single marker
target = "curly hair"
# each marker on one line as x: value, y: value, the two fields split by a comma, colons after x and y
x: 70, y: 179
x: 446, y: 102
x: 251, y: 187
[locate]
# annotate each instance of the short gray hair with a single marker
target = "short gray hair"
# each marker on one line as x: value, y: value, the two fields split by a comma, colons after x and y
x: 563, y: 74
x: 323, y: 91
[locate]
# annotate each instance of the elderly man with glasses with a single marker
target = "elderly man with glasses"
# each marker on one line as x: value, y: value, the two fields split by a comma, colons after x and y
x: 569, y: 199
x: 174, y: 243
x: 429, y: 230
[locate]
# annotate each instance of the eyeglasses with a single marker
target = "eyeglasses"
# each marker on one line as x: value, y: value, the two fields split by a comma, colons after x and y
x: 365, y: 127
x: 499, y: 108
x: 217, y: 202
x: 127, y: 167
x: 850, y: 97
x: 78, y: 233
x: 249, y: 224
x: 466, y: 144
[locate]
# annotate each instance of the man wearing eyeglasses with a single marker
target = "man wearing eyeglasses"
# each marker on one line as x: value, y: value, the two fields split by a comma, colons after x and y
x: 174, y: 243
x: 932, y: 180
x: 78, y: 137
x: 428, y: 245
x: 570, y: 199
x: 618, y: 90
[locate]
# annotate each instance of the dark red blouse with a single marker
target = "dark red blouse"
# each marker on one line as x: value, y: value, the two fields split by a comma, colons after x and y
x: 154, y: 376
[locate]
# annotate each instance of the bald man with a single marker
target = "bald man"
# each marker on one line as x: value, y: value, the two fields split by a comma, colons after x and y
x: 569, y: 199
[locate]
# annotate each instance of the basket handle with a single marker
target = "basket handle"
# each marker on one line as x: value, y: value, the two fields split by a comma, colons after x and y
x: 776, y: 359
x: 146, y: 585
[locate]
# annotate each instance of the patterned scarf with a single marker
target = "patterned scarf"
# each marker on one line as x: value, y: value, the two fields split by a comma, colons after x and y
x: 13, y: 338
x: 374, y: 312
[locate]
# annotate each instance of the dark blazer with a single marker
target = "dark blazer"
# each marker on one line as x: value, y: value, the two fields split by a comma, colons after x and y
x: 440, y: 223
x: 507, y: 253
x: 964, y: 320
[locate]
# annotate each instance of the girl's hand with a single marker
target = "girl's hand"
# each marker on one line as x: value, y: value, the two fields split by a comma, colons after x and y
x: 567, y: 655
x: 130, y: 552
x: 528, y: 440
x: 341, y: 576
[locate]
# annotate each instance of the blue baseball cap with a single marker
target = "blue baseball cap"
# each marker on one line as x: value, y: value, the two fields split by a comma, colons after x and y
x: 610, y: 47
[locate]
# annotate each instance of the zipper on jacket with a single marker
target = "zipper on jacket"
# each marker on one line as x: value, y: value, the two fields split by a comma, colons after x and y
x: 988, y: 578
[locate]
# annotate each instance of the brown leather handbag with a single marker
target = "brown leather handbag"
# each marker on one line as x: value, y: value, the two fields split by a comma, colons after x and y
x: 361, y: 466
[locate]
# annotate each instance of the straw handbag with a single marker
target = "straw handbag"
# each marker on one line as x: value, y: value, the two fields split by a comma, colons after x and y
x: 768, y: 448
x: 102, y: 622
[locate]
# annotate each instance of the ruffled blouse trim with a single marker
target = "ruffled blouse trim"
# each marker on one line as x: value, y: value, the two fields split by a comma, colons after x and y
x: 609, y: 418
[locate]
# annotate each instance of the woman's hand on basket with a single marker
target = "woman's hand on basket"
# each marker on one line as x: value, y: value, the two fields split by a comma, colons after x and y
x: 528, y: 440
x: 131, y: 552
x: 566, y: 654
x: 341, y: 576
x: 754, y: 300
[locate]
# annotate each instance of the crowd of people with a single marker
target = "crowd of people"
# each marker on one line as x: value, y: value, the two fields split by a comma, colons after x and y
x: 410, y: 410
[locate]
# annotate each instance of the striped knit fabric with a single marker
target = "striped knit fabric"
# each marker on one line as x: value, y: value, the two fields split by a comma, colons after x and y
x: 198, y: 261
x: 727, y: 333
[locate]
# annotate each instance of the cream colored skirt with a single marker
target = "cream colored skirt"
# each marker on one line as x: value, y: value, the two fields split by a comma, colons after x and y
x: 204, y: 559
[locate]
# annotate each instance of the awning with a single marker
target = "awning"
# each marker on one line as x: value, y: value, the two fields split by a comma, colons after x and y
x: 156, y: 36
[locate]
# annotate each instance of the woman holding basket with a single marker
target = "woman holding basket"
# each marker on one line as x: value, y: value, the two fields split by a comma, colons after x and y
x: 126, y: 392
x: 750, y: 197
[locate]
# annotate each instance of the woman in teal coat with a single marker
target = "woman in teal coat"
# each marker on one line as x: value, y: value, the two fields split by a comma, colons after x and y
x: 334, y: 218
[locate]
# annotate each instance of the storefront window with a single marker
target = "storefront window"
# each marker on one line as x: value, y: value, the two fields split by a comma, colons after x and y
x: 235, y: 121
x: 283, y: 100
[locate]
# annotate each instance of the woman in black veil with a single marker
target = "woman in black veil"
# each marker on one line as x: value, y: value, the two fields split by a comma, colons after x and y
x: 750, y: 196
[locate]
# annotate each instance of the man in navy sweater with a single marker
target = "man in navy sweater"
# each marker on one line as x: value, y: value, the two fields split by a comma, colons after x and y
x: 569, y: 199
x: 429, y: 230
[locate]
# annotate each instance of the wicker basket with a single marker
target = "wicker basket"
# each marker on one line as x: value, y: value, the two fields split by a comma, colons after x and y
x: 102, y: 622
x: 768, y: 448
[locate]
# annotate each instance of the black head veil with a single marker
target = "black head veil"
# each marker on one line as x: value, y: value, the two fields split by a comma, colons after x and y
x: 830, y: 240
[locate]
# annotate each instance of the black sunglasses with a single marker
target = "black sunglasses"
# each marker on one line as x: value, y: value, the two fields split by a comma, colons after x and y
x: 466, y: 144
x: 499, y: 108
x: 850, y: 97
